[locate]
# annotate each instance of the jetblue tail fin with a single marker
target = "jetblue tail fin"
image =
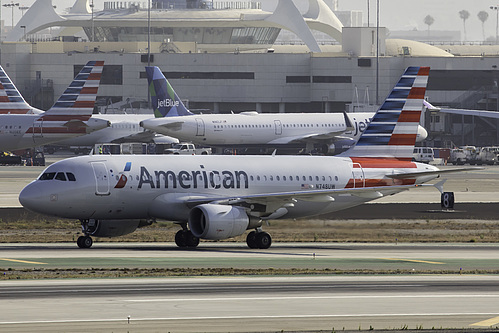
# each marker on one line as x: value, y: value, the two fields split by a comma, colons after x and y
x: 11, y: 101
x: 165, y: 101
x: 393, y: 129
x: 79, y: 98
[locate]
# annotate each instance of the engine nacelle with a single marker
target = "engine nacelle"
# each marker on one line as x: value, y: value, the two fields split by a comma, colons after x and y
x: 113, y: 228
x: 212, y: 221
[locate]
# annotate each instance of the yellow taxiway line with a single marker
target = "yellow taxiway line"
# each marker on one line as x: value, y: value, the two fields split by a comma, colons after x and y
x: 414, y: 260
x: 487, y: 322
x: 24, y: 261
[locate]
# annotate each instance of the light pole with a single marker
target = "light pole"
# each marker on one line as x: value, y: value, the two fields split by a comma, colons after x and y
x: 377, y: 52
x: 22, y: 9
x: 93, y: 32
x: 496, y: 8
x: 148, y: 47
x: 12, y: 5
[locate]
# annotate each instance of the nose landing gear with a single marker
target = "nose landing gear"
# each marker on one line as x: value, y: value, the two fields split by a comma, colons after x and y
x: 87, y: 227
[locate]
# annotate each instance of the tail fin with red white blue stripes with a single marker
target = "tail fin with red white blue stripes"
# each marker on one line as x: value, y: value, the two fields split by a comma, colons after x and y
x: 79, y: 98
x: 393, y: 129
x: 11, y: 101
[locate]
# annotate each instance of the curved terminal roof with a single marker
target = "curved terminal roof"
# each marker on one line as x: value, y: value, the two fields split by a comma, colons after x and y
x: 241, y: 26
x: 404, y: 47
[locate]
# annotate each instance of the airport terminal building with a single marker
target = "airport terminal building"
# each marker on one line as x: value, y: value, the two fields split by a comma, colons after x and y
x: 224, y: 56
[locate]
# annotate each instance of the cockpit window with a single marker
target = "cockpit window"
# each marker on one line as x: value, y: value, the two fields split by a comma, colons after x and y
x: 71, y: 177
x: 47, y: 176
x: 60, y: 176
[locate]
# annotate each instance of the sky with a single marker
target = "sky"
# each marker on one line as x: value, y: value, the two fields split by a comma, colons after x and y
x: 394, y: 14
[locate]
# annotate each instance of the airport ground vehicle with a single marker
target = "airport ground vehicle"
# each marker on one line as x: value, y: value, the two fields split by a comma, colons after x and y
x: 423, y: 154
x: 187, y: 149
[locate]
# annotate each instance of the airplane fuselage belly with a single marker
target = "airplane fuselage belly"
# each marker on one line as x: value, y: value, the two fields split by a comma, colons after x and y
x: 149, y: 186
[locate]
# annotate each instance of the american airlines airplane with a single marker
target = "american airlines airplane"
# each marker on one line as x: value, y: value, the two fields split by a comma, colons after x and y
x: 218, y: 197
x: 332, y: 132
x: 22, y: 126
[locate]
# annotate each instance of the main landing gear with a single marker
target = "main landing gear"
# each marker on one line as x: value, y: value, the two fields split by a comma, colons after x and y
x: 87, y: 227
x: 258, y: 239
x: 185, y: 238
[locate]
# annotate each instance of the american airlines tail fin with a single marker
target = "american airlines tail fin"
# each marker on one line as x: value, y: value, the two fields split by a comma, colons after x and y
x: 79, y: 98
x: 393, y: 129
x: 11, y: 101
x: 165, y: 101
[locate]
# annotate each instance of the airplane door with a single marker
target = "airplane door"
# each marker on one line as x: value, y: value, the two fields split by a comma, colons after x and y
x: 200, y: 127
x: 278, y: 127
x: 358, y: 176
x: 101, y: 178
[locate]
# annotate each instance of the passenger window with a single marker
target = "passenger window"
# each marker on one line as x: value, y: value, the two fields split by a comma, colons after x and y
x: 47, y: 176
x: 60, y: 176
x: 258, y: 178
x: 277, y: 178
x: 316, y: 178
x: 71, y: 176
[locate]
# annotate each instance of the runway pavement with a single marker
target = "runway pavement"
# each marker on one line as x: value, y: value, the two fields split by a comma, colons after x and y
x: 250, y: 304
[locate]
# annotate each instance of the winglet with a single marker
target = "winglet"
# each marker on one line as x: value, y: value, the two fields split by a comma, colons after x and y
x: 440, y: 185
x: 165, y: 101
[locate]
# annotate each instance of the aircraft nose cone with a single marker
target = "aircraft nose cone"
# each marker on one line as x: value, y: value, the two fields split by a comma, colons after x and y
x: 31, y: 197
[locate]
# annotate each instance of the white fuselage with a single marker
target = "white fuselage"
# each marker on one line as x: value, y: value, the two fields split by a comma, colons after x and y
x: 152, y: 186
x: 251, y: 128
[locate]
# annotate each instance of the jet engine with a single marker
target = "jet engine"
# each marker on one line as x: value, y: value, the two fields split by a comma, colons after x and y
x: 213, y: 221
x: 113, y: 228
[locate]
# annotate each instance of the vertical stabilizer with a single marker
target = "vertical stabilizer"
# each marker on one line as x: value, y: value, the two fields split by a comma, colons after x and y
x: 79, y: 98
x: 165, y: 101
x: 393, y: 129
x: 11, y: 101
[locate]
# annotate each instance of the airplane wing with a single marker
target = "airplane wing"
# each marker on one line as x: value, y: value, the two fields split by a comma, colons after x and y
x: 429, y: 173
x: 464, y: 112
x: 308, y: 137
x: 268, y: 203
x: 478, y: 113
x: 145, y: 136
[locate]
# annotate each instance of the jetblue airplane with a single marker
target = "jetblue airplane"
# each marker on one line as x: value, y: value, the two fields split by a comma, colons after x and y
x: 332, y: 132
x: 22, y: 126
x: 218, y: 197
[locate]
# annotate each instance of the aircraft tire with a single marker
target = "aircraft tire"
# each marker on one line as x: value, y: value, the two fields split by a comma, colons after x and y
x: 180, y: 239
x: 263, y: 240
x: 251, y: 240
x: 84, y: 242
x: 190, y: 239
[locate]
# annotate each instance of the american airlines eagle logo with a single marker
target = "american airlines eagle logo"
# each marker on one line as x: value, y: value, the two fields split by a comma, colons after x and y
x: 123, y: 178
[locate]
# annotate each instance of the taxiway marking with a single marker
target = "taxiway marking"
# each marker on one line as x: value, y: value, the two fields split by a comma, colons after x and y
x: 24, y: 261
x: 414, y: 260
x: 487, y: 322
